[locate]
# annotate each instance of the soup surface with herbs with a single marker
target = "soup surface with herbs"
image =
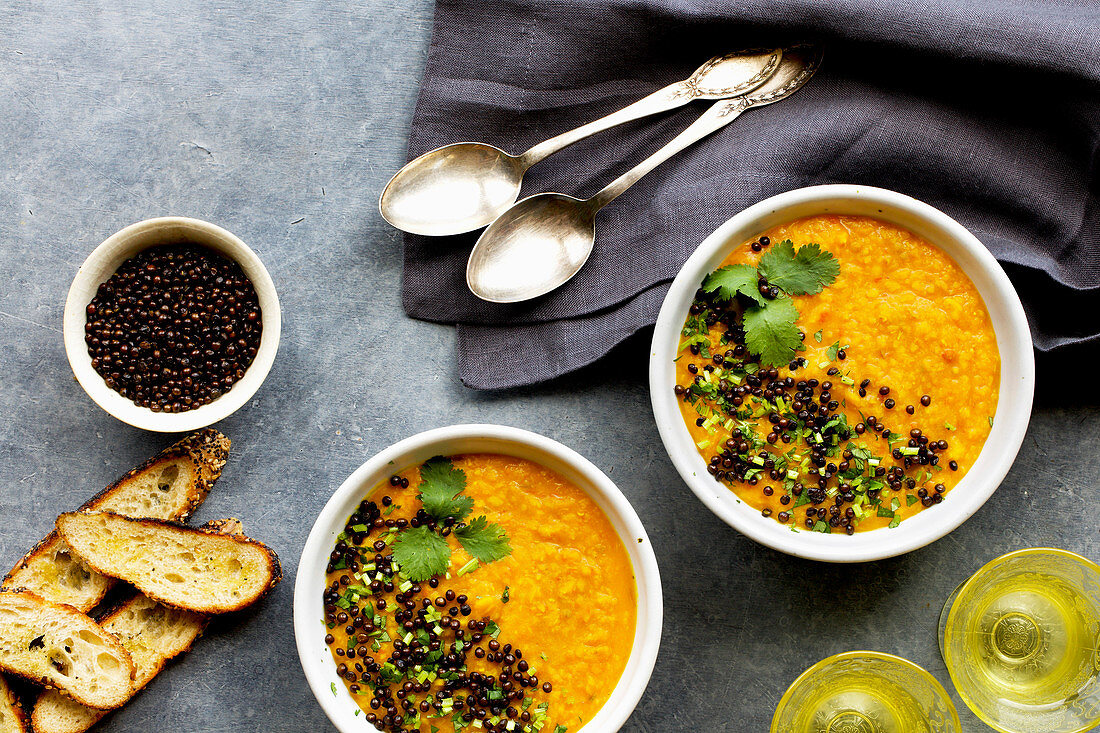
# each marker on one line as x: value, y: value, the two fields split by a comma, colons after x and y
x: 479, y: 591
x: 838, y: 373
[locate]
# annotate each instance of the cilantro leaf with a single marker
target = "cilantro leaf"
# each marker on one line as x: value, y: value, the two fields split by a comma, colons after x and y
x: 799, y: 273
x: 770, y: 332
x: 896, y: 522
x: 421, y: 553
x: 734, y: 279
x: 441, y: 487
x: 487, y: 542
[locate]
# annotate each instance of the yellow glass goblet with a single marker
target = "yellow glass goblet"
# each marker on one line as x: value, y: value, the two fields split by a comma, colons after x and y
x: 1020, y: 641
x: 865, y: 692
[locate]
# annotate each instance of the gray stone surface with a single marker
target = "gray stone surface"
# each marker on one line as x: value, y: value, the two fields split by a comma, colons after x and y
x: 281, y: 121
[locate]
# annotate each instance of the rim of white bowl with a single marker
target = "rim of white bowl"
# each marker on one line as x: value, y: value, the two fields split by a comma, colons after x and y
x: 316, y: 660
x: 1017, y: 381
x: 106, y: 259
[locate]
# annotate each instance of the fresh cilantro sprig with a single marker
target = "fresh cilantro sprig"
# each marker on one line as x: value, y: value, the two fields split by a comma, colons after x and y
x: 734, y: 279
x: 770, y: 332
x: 422, y: 552
x: 805, y: 272
x: 441, y: 487
x: 485, y: 540
x: 769, y: 323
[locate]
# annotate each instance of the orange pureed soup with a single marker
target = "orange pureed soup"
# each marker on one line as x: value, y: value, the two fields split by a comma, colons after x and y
x: 874, y: 403
x: 533, y: 636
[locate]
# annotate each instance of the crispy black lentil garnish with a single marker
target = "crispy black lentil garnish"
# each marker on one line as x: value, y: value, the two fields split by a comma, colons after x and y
x: 426, y: 675
x: 841, y: 481
x: 174, y: 328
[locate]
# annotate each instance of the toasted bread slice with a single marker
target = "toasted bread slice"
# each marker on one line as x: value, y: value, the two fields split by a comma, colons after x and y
x: 151, y: 632
x: 179, y: 566
x: 171, y: 485
x: 60, y: 647
x: 12, y: 719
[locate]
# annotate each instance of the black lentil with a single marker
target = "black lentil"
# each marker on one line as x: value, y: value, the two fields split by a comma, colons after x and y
x: 174, y: 328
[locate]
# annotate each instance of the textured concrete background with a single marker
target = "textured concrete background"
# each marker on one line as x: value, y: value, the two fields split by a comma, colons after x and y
x: 281, y: 122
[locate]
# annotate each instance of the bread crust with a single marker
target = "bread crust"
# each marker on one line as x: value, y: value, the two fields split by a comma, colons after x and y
x: 12, y: 716
x: 274, y: 567
x: 79, y: 620
x: 206, y: 450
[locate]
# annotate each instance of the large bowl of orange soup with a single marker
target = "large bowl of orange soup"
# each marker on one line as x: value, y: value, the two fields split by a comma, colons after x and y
x: 481, y: 578
x: 842, y: 373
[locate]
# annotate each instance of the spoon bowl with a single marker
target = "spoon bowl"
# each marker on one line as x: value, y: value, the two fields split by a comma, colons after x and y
x: 549, y: 233
x: 453, y: 189
x: 462, y: 187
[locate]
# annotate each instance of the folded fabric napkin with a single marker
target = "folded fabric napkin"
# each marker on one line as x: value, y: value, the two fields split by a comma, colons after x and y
x: 988, y: 110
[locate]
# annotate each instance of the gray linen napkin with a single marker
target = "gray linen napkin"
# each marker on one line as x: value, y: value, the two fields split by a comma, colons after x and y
x: 989, y: 110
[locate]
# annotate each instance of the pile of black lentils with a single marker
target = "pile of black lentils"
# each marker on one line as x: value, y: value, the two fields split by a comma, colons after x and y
x: 174, y: 328
x: 427, y: 636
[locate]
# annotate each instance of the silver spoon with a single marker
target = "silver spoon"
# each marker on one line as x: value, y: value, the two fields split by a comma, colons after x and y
x: 462, y: 187
x: 542, y: 241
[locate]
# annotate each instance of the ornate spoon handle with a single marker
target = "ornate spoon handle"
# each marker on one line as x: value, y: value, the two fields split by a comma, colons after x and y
x: 743, y: 72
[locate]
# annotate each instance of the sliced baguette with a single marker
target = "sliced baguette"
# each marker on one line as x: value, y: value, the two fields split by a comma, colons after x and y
x: 151, y: 632
x: 171, y: 485
x: 179, y: 566
x: 57, y: 646
x: 12, y: 719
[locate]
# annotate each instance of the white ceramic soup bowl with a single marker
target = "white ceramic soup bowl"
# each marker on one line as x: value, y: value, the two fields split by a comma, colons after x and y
x: 102, y: 263
x: 309, y: 627
x: 1017, y: 383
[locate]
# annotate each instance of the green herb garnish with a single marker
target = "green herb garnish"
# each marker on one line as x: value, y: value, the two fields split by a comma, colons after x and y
x: 769, y: 324
x: 421, y: 552
x: 487, y: 542
x: 734, y: 279
x: 804, y: 272
x: 507, y: 595
x: 770, y: 332
x: 441, y: 487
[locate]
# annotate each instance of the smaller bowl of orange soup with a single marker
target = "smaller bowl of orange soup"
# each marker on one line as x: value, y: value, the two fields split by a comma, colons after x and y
x: 478, y: 577
x: 842, y: 373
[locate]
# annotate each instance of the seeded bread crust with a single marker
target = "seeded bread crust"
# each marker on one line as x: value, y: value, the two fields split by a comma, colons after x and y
x: 49, y: 569
x: 173, y: 563
x: 12, y: 719
x: 60, y: 648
